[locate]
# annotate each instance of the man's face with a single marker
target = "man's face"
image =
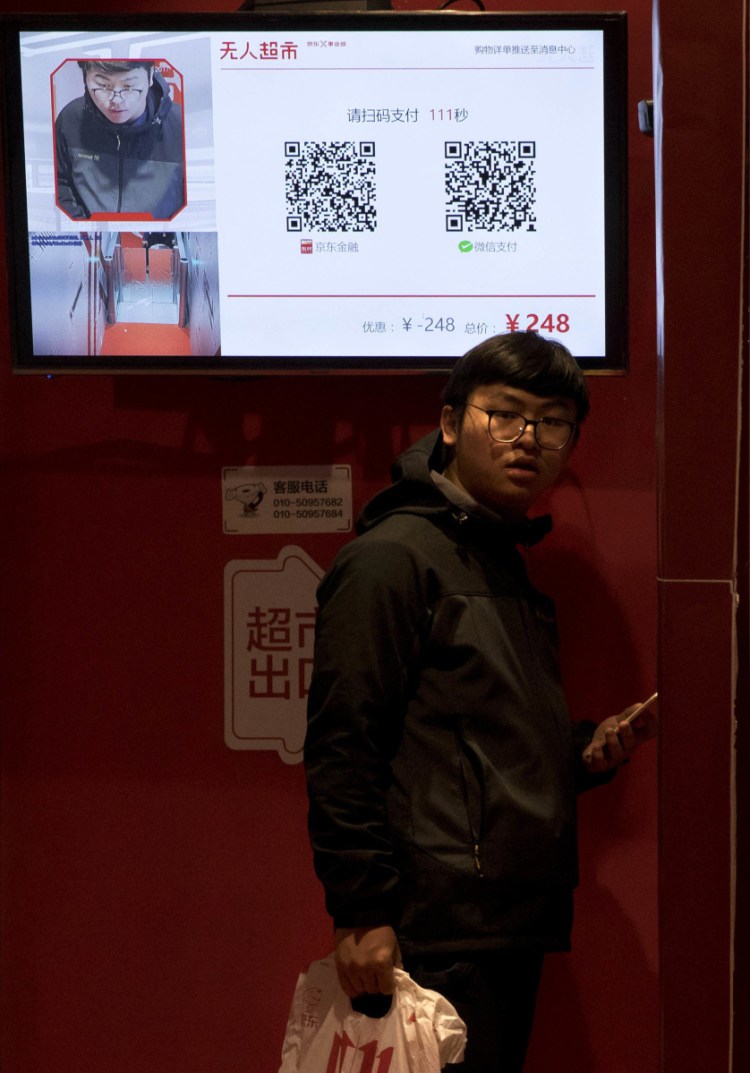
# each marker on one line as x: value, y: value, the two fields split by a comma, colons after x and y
x: 121, y: 96
x: 506, y: 477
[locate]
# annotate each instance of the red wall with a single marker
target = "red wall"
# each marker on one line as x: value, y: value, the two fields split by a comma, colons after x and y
x: 158, y: 893
x: 704, y: 675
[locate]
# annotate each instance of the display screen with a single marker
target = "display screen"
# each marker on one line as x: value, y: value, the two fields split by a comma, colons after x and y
x: 367, y: 191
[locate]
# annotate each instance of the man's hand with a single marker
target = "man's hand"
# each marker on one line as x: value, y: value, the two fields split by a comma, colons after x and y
x: 615, y: 740
x: 365, y: 960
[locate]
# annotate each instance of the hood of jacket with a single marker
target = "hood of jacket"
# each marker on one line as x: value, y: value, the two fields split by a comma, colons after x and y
x: 413, y: 491
x: 158, y: 106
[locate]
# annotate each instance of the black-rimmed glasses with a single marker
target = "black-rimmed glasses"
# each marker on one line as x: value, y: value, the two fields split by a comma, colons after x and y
x: 129, y: 95
x: 505, y: 426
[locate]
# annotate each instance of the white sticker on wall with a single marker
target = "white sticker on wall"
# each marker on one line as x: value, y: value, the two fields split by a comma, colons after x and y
x: 269, y: 625
x: 287, y: 499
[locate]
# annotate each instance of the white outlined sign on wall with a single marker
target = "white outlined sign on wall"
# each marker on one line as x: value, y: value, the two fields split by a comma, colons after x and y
x: 269, y: 624
x: 287, y: 499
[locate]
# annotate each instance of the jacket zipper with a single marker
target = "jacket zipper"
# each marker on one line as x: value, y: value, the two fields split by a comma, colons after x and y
x: 120, y: 169
x: 476, y: 857
x: 477, y: 860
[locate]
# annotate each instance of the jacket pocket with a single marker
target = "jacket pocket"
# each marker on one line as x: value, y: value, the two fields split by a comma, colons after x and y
x: 472, y: 790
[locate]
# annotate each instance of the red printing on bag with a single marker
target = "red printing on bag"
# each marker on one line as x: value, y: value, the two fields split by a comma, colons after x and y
x: 371, y: 1061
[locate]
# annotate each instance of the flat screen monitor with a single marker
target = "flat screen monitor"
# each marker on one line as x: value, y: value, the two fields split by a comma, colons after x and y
x: 271, y: 192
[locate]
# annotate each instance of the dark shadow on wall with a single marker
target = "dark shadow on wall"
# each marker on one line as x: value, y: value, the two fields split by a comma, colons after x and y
x: 563, y: 1038
x: 604, y: 670
x: 602, y: 663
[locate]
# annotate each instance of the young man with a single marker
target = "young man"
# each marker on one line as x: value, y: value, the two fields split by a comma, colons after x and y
x: 442, y: 765
x: 119, y: 148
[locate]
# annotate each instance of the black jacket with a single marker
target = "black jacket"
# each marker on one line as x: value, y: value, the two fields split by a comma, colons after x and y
x: 103, y: 167
x: 442, y: 766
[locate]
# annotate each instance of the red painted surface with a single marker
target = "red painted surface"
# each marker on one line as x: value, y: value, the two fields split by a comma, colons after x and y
x: 704, y: 147
x: 158, y: 893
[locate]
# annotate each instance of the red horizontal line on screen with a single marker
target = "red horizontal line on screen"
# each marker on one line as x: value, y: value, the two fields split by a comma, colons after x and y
x: 287, y: 67
x: 411, y: 296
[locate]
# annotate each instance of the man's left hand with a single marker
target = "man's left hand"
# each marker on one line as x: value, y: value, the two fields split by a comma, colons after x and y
x: 615, y: 740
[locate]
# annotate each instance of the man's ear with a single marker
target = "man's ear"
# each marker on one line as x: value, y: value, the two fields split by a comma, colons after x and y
x: 449, y: 426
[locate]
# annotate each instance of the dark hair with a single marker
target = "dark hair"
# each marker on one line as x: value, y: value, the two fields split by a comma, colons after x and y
x: 519, y: 359
x: 111, y: 67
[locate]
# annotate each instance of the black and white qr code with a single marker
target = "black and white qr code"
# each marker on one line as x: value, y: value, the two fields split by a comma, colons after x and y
x: 330, y: 186
x: 490, y: 186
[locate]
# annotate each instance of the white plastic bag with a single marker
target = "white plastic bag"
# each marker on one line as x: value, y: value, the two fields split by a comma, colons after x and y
x: 420, y: 1034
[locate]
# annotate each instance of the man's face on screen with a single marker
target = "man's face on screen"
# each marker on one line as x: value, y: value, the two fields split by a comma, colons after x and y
x: 120, y: 96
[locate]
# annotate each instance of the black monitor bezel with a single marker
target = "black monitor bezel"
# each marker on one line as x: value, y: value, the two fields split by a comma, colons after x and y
x: 614, y: 27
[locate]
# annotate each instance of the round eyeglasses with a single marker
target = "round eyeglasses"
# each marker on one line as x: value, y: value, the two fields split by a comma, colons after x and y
x: 504, y: 426
x: 107, y: 95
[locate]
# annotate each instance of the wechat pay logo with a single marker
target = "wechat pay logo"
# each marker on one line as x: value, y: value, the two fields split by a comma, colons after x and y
x: 465, y: 246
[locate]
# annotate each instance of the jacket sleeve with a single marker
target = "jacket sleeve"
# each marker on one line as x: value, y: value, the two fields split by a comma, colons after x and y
x: 583, y: 732
x: 367, y: 627
x: 66, y: 193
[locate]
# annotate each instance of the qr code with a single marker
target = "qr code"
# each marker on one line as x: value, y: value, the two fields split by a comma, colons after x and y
x: 330, y: 186
x: 490, y: 186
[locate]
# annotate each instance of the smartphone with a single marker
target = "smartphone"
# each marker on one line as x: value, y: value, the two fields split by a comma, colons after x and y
x: 641, y: 707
